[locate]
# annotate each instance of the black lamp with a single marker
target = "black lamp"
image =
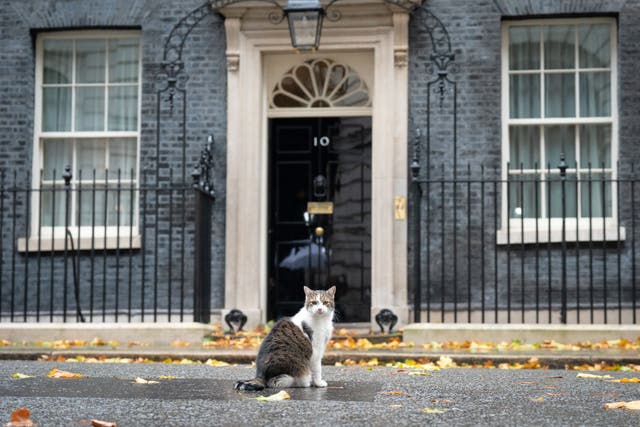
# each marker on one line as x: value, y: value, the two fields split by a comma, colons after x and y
x: 305, y: 23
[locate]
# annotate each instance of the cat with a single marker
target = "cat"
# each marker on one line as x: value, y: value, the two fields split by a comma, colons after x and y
x: 291, y: 354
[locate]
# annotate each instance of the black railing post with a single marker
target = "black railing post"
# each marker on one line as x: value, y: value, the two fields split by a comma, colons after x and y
x: 563, y: 178
x: 67, y: 205
x: 205, y: 195
x: 417, y: 196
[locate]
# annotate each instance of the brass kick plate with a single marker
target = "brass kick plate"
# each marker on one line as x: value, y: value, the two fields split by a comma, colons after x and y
x: 320, y: 208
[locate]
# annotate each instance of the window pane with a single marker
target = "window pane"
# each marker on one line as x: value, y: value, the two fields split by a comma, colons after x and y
x: 57, y: 61
x: 524, y: 48
x: 122, y: 155
x: 123, y: 60
x: 595, y: 94
x: 56, y: 153
x: 89, y: 108
x: 522, y: 196
x: 53, y: 206
x: 56, y: 109
x: 524, y: 94
x: 92, y: 206
x: 119, y: 205
x: 559, y: 47
x: 555, y: 195
x: 595, y: 45
x: 560, y: 93
x: 591, y: 192
x: 123, y: 108
x: 524, y: 147
x: 595, y: 146
x: 560, y: 140
x: 91, y: 155
x: 90, y: 57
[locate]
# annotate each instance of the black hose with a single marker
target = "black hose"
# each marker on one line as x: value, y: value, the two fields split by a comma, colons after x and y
x: 76, y: 284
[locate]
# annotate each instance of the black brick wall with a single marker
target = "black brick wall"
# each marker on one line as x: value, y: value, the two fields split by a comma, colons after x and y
x: 474, y: 28
x: 205, y: 87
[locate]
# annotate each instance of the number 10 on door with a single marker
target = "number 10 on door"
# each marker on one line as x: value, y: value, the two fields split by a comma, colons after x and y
x: 323, y: 141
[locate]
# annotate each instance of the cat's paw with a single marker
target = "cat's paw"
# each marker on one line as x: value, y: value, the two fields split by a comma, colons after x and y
x: 319, y: 383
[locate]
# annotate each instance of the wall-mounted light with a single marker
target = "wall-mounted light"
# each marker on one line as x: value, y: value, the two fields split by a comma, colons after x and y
x: 305, y: 23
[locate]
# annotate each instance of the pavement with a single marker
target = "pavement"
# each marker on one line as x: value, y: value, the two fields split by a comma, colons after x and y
x: 550, y: 358
x: 202, y: 395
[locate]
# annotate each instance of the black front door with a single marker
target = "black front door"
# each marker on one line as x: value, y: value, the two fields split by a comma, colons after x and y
x: 320, y: 213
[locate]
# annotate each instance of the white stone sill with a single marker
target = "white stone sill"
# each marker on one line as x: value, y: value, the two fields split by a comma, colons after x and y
x: 528, y: 236
x: 56, y: 244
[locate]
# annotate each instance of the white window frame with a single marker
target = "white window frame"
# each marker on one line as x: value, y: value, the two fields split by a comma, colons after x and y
x: 53, y: 237
x: 524, y: 230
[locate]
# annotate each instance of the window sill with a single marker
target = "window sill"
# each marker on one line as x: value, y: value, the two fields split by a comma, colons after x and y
x: 56, y: 244
x: 554, y: 235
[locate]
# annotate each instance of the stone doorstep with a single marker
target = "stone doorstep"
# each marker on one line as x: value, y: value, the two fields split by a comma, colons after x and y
x: 422, y: 333
x: 151, y: 333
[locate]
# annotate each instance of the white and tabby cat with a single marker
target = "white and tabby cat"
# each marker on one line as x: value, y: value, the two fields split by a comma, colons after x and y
x: 291, y: 354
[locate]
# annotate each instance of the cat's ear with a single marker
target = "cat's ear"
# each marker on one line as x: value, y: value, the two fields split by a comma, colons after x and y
x: 307, y: 291
x: 331, y: 291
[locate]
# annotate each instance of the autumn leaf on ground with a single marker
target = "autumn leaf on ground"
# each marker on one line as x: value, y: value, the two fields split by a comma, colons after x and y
x: 634, y: 405
x: 595, y: 377
x: 213, y: 362
x: 179, y: 343
x: 20, y: 418
x: 627, y: 380
x: 433, y: 411
x: 57, y: 373
x: 139, y: 380
x: 394, y: 392
x: 98, y: 423
x: 167, y: 377
x: 446, y: 362
x: 281, y: 395
x: 20, y: 376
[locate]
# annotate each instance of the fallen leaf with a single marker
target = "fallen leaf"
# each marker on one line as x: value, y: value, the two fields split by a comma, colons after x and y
x: 179, y: 343
x: 433, y: 411
x: 213, y: 362
x: 627, y: 380
x: 98, y: 423
x: 139, y: 380
x: 634, y: 405
x: 20, y: 376
x: 281, y: 395
x: 166, y: 377
x: 597, y: 377
x: 57, y: 373
x: 394, y: 392
x: 537, y: 399
x: 21, y: 417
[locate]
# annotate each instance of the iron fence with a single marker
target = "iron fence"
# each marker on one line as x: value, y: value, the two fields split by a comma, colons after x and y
x: 110, y: 247
x: 538, y: 245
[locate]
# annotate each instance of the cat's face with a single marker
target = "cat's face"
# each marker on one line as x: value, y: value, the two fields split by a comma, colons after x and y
x: 320, y: 303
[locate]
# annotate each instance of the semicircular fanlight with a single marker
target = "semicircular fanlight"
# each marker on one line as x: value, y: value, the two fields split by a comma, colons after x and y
x: 320, y: 83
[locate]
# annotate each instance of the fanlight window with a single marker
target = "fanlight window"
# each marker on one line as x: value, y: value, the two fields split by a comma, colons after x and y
x: 320, y: 83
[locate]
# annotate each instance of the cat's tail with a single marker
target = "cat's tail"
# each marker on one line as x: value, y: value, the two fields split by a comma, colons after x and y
x: 250, y: 385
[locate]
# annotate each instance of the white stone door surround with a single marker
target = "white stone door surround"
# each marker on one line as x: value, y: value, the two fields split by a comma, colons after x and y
x: 372, y: 28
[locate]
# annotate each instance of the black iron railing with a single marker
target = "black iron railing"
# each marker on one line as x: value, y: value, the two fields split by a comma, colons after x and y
x: 545, y: 245
x: 113, y: 247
